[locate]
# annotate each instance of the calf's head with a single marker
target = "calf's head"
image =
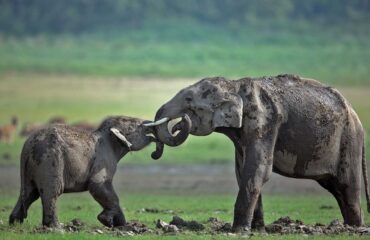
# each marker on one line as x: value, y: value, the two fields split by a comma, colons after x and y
x: 131, y: 133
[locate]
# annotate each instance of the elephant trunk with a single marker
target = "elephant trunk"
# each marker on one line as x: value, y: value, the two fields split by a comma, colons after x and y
x: 157, y: 154
x: 167, y: 137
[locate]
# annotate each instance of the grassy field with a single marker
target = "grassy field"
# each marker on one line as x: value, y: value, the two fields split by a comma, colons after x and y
x: 334, y: 55
x: 189, y: 207
x: 35, y: 98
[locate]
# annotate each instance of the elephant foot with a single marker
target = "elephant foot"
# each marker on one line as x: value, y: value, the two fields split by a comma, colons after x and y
x: 15, y: 219
x: 110, y: 219
x: 241, y: 229
x: 259, y: 229
x: 240, y: 224
x: 119, y: 220
x: 51, y: 221
x: 53, y: 225
x: 258, y: 226
x: 106, y: 219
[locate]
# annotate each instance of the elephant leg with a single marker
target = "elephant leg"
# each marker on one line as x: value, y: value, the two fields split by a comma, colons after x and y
x: 49, y: 214
x: 353, y: 215
x: 19, y: 212
x: 255, y: 169
x: 332, y: 186
x: 350, y: 172
x: 258, y: 219
x: 258, y: 222
x: 104, y: 194
x: 348, y: 198
x: 248, y: 196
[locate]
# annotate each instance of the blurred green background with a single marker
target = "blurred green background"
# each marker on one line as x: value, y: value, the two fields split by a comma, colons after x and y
x: 87, y: 59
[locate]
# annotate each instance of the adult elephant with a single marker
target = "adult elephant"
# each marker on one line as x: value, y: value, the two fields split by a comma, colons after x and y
x: 290, y: 125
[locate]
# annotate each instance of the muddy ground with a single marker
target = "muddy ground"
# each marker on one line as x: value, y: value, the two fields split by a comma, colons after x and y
x: 282, y: 226
x: 192, y: 179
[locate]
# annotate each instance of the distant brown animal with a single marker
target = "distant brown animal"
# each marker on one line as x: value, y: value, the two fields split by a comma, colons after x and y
x: 7, y: 132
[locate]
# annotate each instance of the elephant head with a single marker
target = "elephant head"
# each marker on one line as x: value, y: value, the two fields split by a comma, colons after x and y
x: 132, y: 133
x: 204, y: 106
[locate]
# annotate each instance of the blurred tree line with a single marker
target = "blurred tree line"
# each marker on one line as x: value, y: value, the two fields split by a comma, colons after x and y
x: 25, y: 17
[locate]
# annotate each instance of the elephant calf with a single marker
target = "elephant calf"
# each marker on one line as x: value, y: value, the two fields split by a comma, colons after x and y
x: 61, y: 159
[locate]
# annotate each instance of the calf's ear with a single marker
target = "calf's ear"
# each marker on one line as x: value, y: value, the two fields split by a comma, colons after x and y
x: 120, y: 136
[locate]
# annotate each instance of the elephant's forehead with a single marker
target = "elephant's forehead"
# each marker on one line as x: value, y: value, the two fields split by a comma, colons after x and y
x: 205, y: 91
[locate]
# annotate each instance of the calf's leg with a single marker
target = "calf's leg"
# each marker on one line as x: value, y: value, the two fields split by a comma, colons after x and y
x: 29, y: 195
x: 104, y: 194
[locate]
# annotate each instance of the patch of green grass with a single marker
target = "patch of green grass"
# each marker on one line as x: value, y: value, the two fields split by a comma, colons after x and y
x: 191, y: 50
x: 189, y: 207
x: 35, y: 98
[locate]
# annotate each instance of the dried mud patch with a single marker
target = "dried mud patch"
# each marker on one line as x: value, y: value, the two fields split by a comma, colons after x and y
x: 218, y: 225
x: 282, y: 226
x: 132, y: 228
x: 285, y: 225
x: 178, y: 225
x: 188, y: 225
x: 75, y: 225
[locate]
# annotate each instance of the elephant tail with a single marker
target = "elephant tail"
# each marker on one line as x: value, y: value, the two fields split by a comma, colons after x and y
x: 366, y: 181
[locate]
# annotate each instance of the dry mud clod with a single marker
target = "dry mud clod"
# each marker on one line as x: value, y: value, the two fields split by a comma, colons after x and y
x: 74, y: 225
x: 285, y: 225
x: 134, y: 227
x: 167, y: 228
x: 44, y: 229
x: 219, y: 226
x: 99, y: 231
x: 189, y: 225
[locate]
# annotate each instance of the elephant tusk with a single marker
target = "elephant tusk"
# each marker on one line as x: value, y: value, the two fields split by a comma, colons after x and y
x: 150, y: 135
x: 156, y: 123
x: 118, y: 134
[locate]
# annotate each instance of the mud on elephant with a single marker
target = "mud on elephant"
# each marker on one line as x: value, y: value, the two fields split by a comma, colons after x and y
x: 290, y: 125
x: 60, y: 159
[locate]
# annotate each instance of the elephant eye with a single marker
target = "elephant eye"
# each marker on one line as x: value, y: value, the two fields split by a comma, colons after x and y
x: 188, y: 99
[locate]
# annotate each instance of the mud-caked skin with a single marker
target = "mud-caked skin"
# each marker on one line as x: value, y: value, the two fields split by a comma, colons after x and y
x: 290, y: 125
x: 61, y: 159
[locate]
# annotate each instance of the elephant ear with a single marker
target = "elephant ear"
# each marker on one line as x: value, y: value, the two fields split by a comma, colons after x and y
x: 229, y: 112
x: 121, y: 137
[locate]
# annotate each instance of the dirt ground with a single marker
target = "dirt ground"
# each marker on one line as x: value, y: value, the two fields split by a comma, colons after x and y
x: 192, y: 179
x: 282, y: 226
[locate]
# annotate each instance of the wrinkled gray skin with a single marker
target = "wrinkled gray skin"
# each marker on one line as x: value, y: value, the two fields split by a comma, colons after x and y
x: 61, y: 159
x: 293, y: 126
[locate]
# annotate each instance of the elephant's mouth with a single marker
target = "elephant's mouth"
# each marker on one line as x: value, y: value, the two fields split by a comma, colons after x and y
x: 172, y: 135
